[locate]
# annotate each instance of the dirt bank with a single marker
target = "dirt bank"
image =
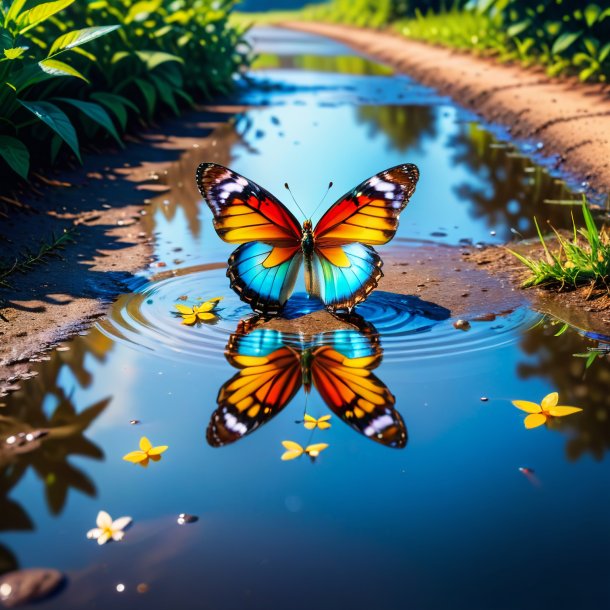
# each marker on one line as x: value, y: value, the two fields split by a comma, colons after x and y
x: 570, y: 119
x: 102, y: 204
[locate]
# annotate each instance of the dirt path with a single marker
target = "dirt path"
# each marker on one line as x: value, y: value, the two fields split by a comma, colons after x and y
x: 104, y: 203
x: 570, y: 119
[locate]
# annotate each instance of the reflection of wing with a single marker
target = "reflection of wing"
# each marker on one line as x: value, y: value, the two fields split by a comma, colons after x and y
x: 345, y: 269
x: 269, y: 378
x: 357, y: 396
x: 263, y: 270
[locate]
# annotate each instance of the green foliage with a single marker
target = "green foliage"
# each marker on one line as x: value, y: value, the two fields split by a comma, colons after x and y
x: 584, y: 259
x: 566, y: 36
x: 72, y: 72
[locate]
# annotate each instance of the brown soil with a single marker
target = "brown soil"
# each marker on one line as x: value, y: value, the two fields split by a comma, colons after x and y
x: 571, y: 119
x: 104, y: 202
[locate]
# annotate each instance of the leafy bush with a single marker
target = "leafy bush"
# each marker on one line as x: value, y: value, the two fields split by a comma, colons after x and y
x: 566, y: 36
x: 82, y: 71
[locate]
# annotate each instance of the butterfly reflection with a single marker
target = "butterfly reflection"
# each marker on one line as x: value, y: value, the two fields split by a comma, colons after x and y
x: 274, y: 365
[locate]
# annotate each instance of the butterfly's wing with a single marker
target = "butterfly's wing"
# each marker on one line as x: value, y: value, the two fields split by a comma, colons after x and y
x: 345, y: 268
x: 268, y: 379
x: 342, y: 374
x: 264, y: 268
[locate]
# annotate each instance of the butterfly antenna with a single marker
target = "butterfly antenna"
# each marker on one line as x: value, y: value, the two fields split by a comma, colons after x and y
x: 330, y: 184
x: 293, y: 199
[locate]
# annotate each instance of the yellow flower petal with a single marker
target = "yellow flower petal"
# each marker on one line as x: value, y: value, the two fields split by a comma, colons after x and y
x: 527, y: 406
x: 216, y: 300
x: 157, y: 450
x: 135, y: 457
x: 309, y: 422
x: 184, y: 310
x: 207, y: 306
x: 314, y: 450
x: 189, y: 320
x: 324, y: 418
x: 145, y: 444
x: 550, y: 400
x: 534, y: 420
x: 294, y: 450
x: 206, y: 316
x: 323, y: 425
x: 563, y: 411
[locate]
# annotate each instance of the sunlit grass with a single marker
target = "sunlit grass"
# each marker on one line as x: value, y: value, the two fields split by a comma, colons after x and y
x: 584, y: 259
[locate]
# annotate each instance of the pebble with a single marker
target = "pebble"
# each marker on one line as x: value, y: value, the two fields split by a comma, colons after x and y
x: 30, y: 585
x: 484, y: 399
x: 186, y: 518
x: 461, y: 325
x: 134, y: 422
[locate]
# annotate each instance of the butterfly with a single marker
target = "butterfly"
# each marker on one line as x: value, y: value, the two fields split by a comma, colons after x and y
x: 273, y: 367
x: 341, y: 266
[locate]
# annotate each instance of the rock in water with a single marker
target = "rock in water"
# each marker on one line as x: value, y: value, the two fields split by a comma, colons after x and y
x: 25, y: 586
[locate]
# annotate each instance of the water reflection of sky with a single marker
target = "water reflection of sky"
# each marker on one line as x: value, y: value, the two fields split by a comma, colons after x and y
x: 448, y: 521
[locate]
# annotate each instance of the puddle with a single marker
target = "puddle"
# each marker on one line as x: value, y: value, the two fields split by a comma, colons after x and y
x: 421, y: 476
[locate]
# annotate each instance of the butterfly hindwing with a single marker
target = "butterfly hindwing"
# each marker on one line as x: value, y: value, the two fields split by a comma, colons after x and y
x: 343, y: 280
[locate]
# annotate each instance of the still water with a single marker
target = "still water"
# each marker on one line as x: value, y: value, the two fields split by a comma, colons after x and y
x: 435, y: 500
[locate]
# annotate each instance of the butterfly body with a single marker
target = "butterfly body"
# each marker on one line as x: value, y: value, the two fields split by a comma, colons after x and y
x: 341, y: 265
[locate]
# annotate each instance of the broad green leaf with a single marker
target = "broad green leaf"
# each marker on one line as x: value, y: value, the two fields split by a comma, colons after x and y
x: 152, y: 59
x: 15, y: 153
x: 165, y: 93
x: 564, y: 42
x: 116, y: 104
x: 517, y: 28
x: 592, y: 12
x: 96, y: 113
x: 605, y: 51
x: 149, y: 93
x: 15, y: 52
x: 59, y: 68
x: 31, y: 18
x: 57, y: 120
x: 141, y: 10
x: 14, y: 10
x: 80, y: 37
x: 591, y: 45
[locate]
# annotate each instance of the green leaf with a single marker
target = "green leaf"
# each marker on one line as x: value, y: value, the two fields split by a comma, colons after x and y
x: 165, y: 93
x: 80, y: 37
x: 591, y: 45
x: 564, y: 42
x: 116, y: 104
x: 15, y: 52
x: 59, y: 68
x: 592, y: 12
x: 149, y: 93
x: 96, y: 113
x: 57, y: 120
x: 15, y: 153
x: 31, y: 18
x: 562, y: 330
x: 141, y: 10
x: 605, y: 50
x: 152, y: 59
x: 14, y: 10
x: 517, y: 28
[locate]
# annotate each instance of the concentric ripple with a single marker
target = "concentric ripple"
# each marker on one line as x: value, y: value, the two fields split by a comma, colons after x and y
x: 408, y: 327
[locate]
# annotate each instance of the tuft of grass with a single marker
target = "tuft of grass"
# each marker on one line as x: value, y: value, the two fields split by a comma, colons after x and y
x: 30, y: 258
x: 584, y: 259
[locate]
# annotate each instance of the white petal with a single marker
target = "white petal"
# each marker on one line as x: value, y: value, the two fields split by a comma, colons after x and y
x: 118, y: 536
x: 94, y: 533
x: 121, y: 523
x: 104, y: 538
x: 103, y: 519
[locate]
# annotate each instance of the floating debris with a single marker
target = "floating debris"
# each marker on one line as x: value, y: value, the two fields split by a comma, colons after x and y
x: 146, y: 453
x: 484, y: 399
x: 311, y: 422
x: 134, y: 422
x: 539, y: 413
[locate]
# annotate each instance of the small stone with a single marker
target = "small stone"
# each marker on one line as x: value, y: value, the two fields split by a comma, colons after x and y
x: 134, y: 422
x: 461, y: 325
x: 30, y: 585
x: 484, y: 399
x: 186, y: 518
